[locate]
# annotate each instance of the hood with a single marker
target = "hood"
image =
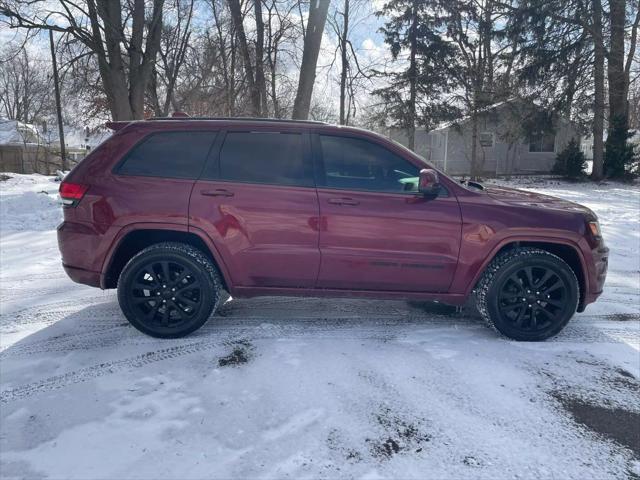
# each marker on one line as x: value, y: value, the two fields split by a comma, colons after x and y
x: 530, y: 199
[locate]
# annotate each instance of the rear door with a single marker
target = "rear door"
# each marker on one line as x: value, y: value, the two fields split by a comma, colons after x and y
x: 257, y: 200
x: 377, y: 232
x: 153, y: 180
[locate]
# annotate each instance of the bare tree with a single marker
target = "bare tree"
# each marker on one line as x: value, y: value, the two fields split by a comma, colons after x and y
x: 226, y: 51
x: 24, y: 86
x: 313, y: 38
x: 173, y: 47
x: 281, y: 32
x: 353, y: 73
x: 104, y: 27
x: 238, y: 22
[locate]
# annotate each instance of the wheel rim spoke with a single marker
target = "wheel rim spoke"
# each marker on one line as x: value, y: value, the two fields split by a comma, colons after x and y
x: 191, y: 286
x: 556, y: 285
x: 186, y: 300
x: 151, y: 315
x: 529, y: 275
x: 520, y: 316
x: 548, y: 274
x: 532, y: 298
x: 175, y: 293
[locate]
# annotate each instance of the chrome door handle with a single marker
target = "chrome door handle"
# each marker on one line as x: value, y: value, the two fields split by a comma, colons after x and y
x: 218, y: 192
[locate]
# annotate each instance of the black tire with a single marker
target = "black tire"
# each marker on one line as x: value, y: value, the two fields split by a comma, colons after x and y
x: 528, y: 294
x: 169, y: 290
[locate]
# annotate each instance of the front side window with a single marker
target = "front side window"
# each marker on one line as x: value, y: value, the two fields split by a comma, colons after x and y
x: 265, y: 157
x: 357, y: 164
x: 169, y: 154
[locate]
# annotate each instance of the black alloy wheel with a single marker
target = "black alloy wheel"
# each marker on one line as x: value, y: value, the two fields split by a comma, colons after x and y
x: 528, y: 294
x: 169, y: 290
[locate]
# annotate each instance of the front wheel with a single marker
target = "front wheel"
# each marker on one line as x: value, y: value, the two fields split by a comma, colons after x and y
x: 168, y: 290
x: 528, y: 294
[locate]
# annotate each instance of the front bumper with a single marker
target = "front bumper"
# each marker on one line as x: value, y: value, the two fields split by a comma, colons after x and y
x: 598, y: 276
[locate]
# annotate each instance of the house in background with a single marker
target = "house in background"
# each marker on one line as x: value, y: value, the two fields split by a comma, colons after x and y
x: 515, y: 137
x: 26, y: 148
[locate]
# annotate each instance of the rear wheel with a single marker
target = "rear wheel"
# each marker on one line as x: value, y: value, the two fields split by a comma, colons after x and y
x: 168, y: 290
x: 528, y: 294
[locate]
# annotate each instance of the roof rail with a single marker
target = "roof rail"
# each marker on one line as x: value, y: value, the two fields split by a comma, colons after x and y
x: 237, y: 119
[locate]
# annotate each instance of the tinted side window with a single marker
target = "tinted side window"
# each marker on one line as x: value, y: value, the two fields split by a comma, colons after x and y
x: 169, y: 154
x: 270, y: 157
x: 353, y: 163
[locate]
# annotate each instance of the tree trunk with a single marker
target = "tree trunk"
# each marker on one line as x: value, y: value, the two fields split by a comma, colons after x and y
x: 261, y: 84
x: 315, y: 27
x: 345, y: 64
x: 598, y: 105
x: 110, y: 61
x: 222, y: 45
x: 236, y: 16
x: 633, y: 42
x: 413, y: 78
x: 56, y: 85
x: 616, y: 65
x: 475, y: 174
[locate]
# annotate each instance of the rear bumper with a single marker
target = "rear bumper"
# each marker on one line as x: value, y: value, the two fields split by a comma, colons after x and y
x: 82, y: 249
x: 85, y: 277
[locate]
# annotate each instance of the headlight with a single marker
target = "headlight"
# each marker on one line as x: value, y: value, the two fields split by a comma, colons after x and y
x: 594, y: 228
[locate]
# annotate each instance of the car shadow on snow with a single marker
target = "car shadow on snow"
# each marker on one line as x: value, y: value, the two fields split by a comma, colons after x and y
x: 58, y: 329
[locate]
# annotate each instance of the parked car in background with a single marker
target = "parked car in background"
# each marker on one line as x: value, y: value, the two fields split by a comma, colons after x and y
x: 175, y: 212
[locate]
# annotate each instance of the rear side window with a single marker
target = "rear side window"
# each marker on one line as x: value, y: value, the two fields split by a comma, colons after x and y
x: 265, y: 157
x: 169, y: 154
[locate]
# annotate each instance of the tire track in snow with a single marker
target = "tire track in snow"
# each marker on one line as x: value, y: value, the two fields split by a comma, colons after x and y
x: 338, y: 327
x: 585, y: 329
x: 101, y: 369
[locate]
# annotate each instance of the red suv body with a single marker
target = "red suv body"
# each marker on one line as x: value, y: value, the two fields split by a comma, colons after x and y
x: 304, y: 208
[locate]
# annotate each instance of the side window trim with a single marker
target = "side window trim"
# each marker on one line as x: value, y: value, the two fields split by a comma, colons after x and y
x: 212, y: 170
x: 116, y: 168
x: 320, y: 172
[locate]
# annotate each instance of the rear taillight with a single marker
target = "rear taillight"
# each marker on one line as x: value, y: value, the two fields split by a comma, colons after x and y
x: 72, y: 193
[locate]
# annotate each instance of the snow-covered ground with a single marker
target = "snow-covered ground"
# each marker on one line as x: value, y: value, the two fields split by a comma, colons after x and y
x: 294, y: 388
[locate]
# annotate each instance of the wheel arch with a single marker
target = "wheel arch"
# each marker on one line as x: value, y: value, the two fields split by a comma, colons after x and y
x: 567, y: 251
x: 134, y: 238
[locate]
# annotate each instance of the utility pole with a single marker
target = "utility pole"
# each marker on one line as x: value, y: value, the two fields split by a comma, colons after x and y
x: 56, y: 85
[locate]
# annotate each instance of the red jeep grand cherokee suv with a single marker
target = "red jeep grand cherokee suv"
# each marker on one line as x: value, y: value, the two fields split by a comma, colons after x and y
x: 173, y: 212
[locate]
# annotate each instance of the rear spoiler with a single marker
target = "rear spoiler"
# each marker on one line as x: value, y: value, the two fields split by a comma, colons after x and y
x: 115, y: 126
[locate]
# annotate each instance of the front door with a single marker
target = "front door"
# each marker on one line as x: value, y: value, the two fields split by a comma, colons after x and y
x: 377, y: 232
x: 258, y: 203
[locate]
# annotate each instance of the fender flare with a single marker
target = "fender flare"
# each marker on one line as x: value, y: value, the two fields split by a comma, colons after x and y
x: 533, y: 239
x: 175, y: 227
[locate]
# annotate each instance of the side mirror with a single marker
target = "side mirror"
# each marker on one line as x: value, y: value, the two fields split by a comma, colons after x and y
x: 428, y: 184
